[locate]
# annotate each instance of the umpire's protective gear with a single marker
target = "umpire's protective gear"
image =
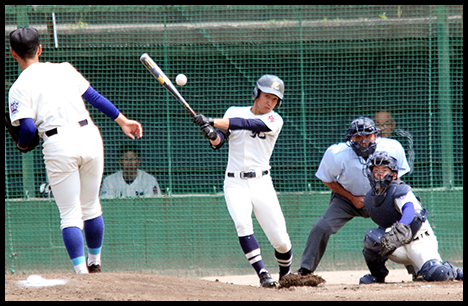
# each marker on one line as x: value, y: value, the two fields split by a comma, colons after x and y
x: 362, y: 126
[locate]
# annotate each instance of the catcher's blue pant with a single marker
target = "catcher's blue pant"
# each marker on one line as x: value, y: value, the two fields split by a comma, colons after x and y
x: 340, y: 211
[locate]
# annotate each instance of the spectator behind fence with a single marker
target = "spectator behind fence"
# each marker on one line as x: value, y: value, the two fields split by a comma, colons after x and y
x: 386, y: 124
x: 129, y: 181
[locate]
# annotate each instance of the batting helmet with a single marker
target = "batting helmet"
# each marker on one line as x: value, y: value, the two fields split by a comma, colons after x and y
x: 362, y: 126
x: 381, y: 159
x: 271, y: 84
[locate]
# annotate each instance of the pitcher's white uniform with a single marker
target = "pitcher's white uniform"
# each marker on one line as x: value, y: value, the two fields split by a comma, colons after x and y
x: 51, y: 93
x: 251, y: 151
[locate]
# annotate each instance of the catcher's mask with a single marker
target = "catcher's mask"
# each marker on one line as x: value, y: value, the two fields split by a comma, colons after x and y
x: 271, y: 84
x: 362, y: 126
x: 380, y: 159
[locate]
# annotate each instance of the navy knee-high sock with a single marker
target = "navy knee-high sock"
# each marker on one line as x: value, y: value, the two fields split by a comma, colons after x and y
x: 94, y: 233
x: 252, y: 251
x: 73, y: 240
x: 284, y: 261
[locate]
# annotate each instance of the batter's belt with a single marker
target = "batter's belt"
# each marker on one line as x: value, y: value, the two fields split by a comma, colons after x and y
x: 244, y: 175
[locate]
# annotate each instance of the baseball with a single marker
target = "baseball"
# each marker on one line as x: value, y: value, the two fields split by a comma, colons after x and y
x: 181, y: 79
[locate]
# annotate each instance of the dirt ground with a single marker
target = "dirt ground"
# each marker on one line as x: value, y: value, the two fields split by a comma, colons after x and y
x: 134, y: 286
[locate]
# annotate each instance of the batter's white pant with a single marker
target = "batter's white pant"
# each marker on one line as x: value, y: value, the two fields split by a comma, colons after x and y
x: 259, y: 195
x: 74, y: 160
x: 418, y: 251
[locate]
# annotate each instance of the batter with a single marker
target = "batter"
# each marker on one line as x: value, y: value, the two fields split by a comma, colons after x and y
x: 49, y: 97
x: 252, y: 132
x: 390, y: 201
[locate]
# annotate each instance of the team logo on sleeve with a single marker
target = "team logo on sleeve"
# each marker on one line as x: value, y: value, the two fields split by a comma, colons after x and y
x: 14, y: 107
x: 271, y: 118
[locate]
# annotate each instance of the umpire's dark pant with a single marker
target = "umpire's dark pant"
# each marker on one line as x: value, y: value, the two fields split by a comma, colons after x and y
x: 340, y: 211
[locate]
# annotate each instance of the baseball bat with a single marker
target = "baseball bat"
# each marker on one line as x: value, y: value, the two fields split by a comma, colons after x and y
x: 154, y: 69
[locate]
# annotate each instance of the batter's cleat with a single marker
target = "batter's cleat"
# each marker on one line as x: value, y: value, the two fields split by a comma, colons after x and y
x: 266, y: 281
x: 370, y: 279
x: 303, y: 272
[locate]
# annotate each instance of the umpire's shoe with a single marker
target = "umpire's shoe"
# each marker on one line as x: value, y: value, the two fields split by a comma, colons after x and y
x: 303, y: 272
x: 266, y: 281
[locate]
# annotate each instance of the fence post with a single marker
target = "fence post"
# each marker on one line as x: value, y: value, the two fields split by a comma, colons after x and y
x: 445, y: 96
x: 27, y: 159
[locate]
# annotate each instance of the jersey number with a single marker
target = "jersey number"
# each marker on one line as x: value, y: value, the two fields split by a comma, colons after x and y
x: 260, y: 135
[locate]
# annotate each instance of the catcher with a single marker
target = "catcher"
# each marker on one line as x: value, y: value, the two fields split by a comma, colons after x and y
x: 404, y: 235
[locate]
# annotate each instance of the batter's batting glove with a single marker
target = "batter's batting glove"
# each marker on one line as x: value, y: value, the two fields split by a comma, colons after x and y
x: 209, y: 132
x: 201, y: 120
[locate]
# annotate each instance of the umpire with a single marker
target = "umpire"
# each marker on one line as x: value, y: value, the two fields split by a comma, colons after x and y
x: 341, y: 170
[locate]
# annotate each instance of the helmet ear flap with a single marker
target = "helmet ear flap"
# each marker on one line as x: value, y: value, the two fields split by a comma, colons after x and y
x: 255, y: 93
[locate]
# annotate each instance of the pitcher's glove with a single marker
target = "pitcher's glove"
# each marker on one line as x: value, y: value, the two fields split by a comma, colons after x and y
x: 398, y: 235
x: 14, y: 132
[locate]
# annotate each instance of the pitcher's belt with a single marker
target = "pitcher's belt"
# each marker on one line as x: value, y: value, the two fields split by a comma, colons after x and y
x: 54, y: 131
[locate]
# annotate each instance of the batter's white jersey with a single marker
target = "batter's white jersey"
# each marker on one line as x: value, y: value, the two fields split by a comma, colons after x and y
x: 114, y: 186
x: 252, y: 150
x: 341, y: 164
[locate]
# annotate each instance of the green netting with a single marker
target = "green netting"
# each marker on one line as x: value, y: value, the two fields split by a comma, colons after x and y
x: 337, y: 62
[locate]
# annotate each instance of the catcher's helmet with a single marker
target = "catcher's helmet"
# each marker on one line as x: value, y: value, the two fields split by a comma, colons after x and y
x: 381, y: 159
x: 271, y: 84
x: 359, y: 127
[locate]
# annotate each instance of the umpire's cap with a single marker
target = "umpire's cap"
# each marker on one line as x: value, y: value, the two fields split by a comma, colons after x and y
x: 24, y: 41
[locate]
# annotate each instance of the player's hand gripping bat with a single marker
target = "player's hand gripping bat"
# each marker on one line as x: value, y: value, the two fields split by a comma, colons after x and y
x: 164, y: 80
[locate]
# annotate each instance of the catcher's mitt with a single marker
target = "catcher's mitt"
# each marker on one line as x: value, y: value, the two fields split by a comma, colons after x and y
x: 399, y: 234
x: 14, y: 132
x: 294, y: 280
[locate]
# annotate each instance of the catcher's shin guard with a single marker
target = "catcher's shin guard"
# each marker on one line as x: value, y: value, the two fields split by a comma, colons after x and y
x: 376, y: 264
x: 434, y: 270
x: 374, y: 261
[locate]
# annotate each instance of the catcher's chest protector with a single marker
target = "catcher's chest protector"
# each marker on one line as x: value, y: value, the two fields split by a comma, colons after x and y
x: 382, y: 208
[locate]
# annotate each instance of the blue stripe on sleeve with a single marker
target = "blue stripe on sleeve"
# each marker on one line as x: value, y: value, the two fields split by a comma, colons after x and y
x: 101, y: 103
x: 27, y: 132
x: 256, y: 125
x: 407, y: 213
